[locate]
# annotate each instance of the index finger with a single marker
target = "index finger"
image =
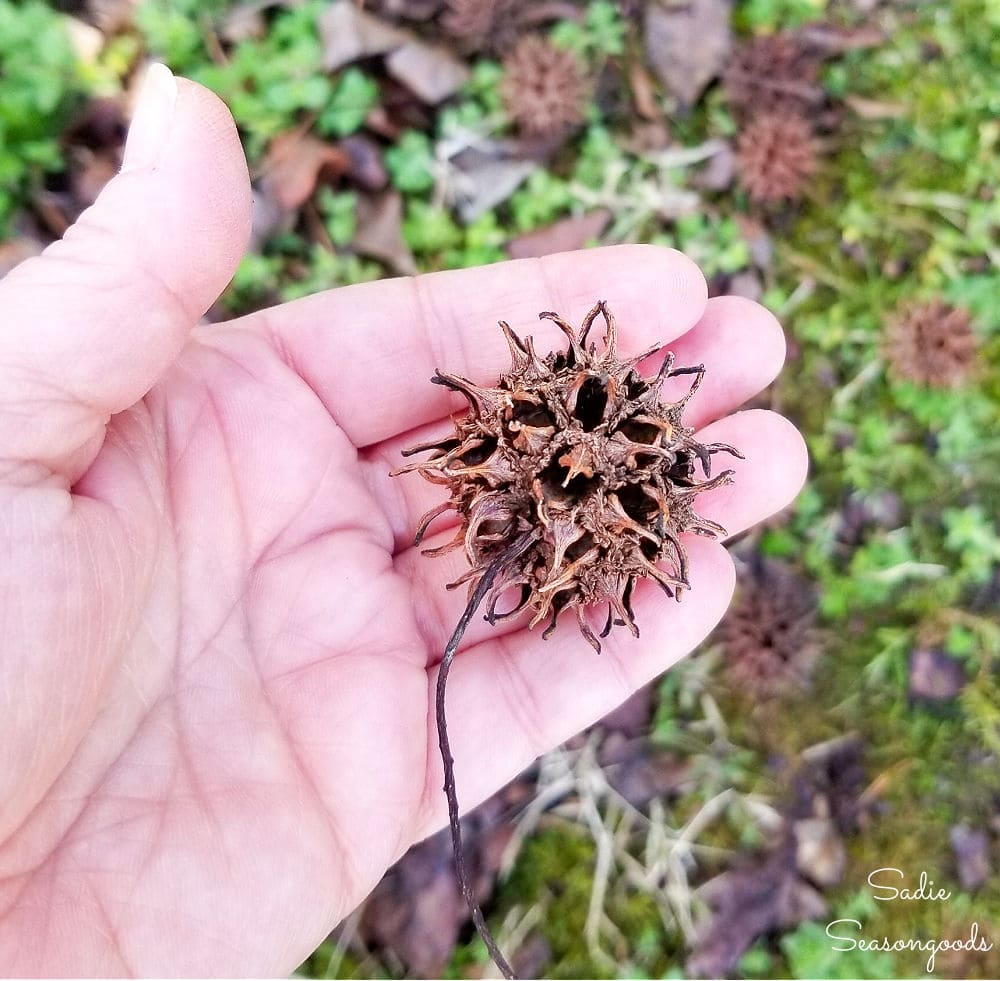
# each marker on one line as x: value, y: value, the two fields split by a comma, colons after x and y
x: 368, y: 351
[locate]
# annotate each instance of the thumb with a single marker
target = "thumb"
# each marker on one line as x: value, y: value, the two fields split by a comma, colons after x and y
x: 88, y: 327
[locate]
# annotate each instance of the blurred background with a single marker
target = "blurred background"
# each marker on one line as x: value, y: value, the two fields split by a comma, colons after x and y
x: 837, y: 160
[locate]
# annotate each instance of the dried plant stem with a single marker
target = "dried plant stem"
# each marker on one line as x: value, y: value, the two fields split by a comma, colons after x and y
x: 511, y: 554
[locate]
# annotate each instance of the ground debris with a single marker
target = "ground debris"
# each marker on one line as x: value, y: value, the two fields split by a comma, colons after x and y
x: 971, y: 849
x: 934, y: 676
x: 750, y: 902
x: 380, y: 232
x: 687, y: 44
x: 417, y: 912
x: 561, y: 236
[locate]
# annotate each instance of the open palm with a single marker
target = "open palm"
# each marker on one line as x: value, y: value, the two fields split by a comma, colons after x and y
x: 218, y: 647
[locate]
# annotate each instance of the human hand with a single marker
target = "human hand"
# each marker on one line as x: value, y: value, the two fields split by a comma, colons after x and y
x: 218, y: 645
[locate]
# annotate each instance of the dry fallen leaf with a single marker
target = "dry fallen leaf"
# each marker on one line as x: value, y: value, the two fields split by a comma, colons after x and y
x: 247, y: 20
x: 367, y: 169
x: 111, y: 16
x: 417, y: 910
x: 431, y: 72
x: 295, y: 163
x: 748, y: 903
x: 481, y: 176
x: 563, y: 236
x: 687, y: 44
x: 934, y: 676
x: 379, y: 232
x: 971, y: 848
x: 15, y: 250
x: 348, y: 34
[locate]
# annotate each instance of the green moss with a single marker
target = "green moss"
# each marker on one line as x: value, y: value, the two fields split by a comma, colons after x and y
x: 554, y: 872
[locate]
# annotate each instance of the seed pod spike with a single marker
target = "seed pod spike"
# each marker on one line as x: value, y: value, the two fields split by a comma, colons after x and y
x: 567, y: 329
x: 588, y: 322
x: 479, y: 398
x: 611, y: 338
x: 649, y: 352
x: 581, y: 619
x: 519, y: 354
x: 699, y: 376
x: 536, y: 364
x: 426, y: 520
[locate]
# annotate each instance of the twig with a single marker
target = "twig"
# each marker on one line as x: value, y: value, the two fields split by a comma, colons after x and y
x: 519, y: 547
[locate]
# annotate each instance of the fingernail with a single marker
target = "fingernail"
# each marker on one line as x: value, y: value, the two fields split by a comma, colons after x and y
x: 151, y: 121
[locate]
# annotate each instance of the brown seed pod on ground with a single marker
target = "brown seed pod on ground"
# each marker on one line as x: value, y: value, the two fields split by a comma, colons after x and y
x: 573, y: 478
x: 931, y: 343
x: 769, y: 634
x: 543, y: 88
x: 775, y: 156
x: 772, y: 73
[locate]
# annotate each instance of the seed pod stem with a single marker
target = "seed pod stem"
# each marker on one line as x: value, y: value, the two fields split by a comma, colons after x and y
x: 510, y: 554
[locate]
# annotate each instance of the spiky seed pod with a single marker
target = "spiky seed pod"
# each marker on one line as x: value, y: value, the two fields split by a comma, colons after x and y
x: 776, y: 72
x: 543, y: 87
x: 581, y: 454
x: 769, y: 634
x: 931, y: 343
x: 775, y: 156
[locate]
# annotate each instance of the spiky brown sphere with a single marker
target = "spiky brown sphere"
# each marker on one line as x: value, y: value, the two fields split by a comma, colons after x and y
x: 543, y: 87
x: 576, y: 468
x: 931, y: 343
x: 769, y: 634
x: 775, y: 156
x: 776, y: 72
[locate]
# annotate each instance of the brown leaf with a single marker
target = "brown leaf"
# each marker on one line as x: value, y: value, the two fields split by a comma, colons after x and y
x: 639, y: 772
x: 417, y: 910
x: 296, y: 163
x: 486, y: 174
x: 748, y: 903
x: 349, y: 34
x: 420, y: 10
x: 14, y: 251
x: 367, y: 170
x: 719, y: 171
x: 430, y: 71
x: 746, y: 284
x: 643, y: 94
x: 875, y: 108
x: 246, y: 20
x: 112, y: 16
x: 934, y: 676
x: 832, y: 41
x: 631, y: 718
x: 971, y: 848
x: 268, y: 218
x: 831, y: 781
x: 92, y: 152
x: 819, y: 851
x: 687, y: 44
x: 566, y: 235
x: 87, y: 40
x: 380, y: 232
